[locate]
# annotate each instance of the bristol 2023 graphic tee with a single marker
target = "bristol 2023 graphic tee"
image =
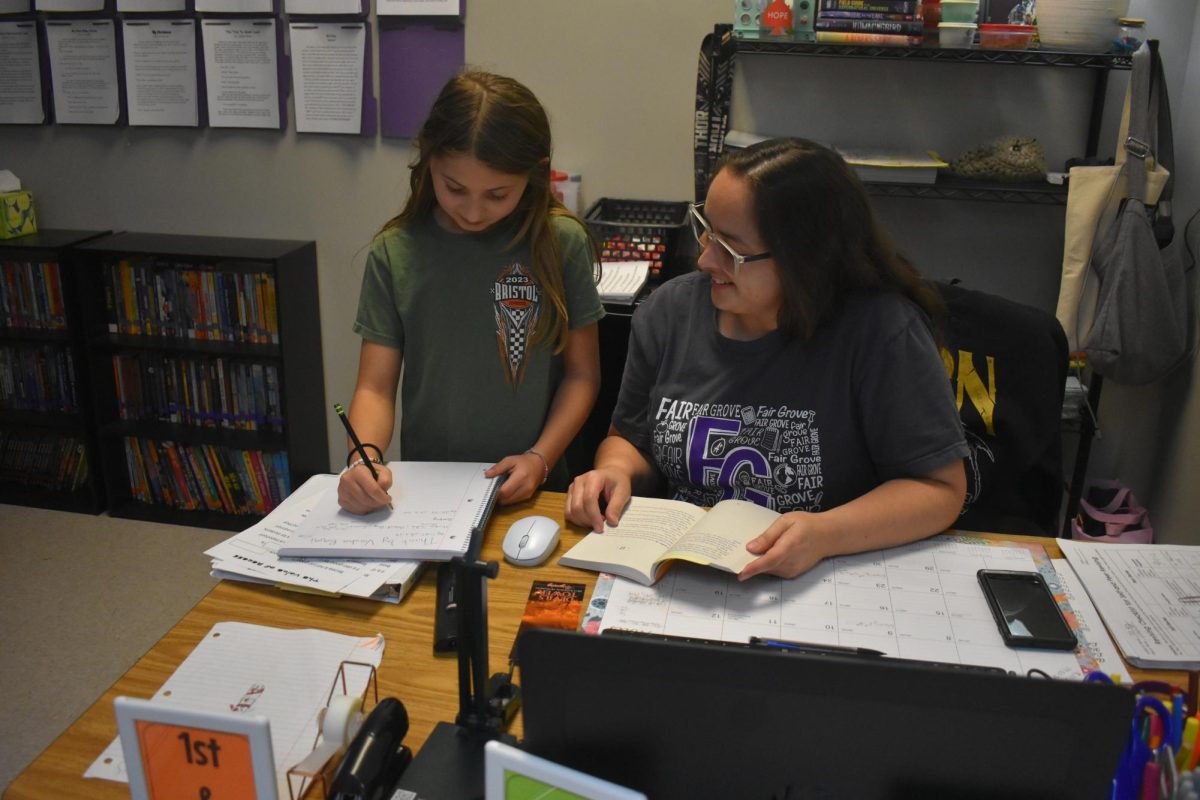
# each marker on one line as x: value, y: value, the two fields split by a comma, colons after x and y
x: 462, y: 308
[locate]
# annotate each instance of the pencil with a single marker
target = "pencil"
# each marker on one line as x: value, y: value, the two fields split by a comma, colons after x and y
x: 358, y: 448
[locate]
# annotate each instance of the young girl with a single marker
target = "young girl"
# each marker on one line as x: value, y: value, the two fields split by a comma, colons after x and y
x: 483, y: 288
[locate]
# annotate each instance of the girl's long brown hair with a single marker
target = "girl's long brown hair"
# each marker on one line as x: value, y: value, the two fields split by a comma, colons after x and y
x: 500, y: 123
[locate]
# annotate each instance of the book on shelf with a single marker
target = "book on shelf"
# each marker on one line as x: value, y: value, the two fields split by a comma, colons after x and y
x: 867, y: 15
x: 858, y: 37
x: 878, y: 6
x: 437, y: 507
x: 902, y: 27
x: 654, y: 533
x: 893, y: 167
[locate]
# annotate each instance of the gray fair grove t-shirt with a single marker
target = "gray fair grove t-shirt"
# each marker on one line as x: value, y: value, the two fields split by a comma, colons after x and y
x: 462, y: 309
x: 785, y: 423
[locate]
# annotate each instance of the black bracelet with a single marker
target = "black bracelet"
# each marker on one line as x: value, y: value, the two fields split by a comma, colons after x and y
x: 376, y: 459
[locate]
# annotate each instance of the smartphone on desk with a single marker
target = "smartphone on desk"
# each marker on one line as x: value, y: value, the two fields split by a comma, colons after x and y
x: 1025, y: 611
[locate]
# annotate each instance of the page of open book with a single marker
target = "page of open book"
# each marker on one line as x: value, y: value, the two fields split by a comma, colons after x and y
x: 719, y: 538
x: 647, y: 528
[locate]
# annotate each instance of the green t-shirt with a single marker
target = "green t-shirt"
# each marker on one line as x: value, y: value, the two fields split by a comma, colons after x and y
x: 462, y: 307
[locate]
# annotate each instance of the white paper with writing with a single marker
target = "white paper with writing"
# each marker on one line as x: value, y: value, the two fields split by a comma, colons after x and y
x: 284, y: 675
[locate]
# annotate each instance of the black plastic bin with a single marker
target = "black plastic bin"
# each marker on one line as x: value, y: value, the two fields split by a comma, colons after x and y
x: 639, y: 230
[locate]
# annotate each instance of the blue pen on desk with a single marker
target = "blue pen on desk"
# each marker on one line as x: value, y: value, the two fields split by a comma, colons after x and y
x: 812, y: 647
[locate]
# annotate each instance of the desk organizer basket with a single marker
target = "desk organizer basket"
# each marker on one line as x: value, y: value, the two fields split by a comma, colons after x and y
x: 637, y: 230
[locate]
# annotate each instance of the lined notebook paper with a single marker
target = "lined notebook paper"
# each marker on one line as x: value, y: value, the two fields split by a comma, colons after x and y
x: 436, y: 505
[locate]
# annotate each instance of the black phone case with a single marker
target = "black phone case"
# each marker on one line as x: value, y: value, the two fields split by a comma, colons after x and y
x: 1067, y: 642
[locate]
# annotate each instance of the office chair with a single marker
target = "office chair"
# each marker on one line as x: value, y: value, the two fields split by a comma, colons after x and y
x: 1007, y: 364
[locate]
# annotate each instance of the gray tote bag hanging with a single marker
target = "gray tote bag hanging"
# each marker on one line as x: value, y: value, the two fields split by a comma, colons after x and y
x: 1140, y: 332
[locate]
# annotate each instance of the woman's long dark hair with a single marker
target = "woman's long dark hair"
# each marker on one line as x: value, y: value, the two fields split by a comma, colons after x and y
x: 814, y: 216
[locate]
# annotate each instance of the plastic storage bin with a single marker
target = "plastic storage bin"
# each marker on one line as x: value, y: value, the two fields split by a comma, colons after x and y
x: 638, y: 230
x: 1005, y: 37
x: 960, y: 10
x: 956, y: 34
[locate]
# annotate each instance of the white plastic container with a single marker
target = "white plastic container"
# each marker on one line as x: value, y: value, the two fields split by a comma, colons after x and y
x: 1086, y: 25
x: 956, y: 34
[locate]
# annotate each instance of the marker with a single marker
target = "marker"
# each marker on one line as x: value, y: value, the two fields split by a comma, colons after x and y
x: 818, y: 649
x: 358, y: 448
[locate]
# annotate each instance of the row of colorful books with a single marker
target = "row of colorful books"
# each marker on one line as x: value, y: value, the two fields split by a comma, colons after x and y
x: 31, y: 296
x: 37, y: 378
x: 206, y: 477
x: 881, y: 22
x: 200, y: 391
x: 153, y: 298
x: 46, y: 460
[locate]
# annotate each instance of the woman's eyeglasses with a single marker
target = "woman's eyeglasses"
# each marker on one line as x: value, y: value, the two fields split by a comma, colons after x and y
x: 705, y: 234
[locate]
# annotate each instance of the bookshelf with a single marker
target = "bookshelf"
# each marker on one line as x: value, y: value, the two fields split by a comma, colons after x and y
x: 47, y: 439
x: 205, y: 357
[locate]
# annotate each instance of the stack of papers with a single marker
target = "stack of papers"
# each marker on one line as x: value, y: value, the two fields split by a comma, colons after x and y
x: 252, y: 555
x: 620, y: 281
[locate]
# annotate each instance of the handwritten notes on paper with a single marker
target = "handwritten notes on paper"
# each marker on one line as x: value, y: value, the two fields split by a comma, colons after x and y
x: 254, y: 552
x: 435, y: 508
x: 285, y: 675
x: 919, y: 601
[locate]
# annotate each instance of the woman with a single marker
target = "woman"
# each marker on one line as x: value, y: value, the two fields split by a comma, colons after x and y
x: 796, y: 369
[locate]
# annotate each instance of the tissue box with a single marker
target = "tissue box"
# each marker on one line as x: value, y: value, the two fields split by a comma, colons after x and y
x: 17, y: 217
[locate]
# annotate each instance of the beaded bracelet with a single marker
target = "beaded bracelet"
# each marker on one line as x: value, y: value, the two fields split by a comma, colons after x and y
x: 545, y: 465
x: 375, y: 459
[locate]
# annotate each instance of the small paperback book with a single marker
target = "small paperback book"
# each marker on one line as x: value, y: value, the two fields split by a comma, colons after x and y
x: 652, y: 533
x: 551, y: 604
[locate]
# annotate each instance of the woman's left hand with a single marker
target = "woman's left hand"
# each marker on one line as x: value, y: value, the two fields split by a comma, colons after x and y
x: 526, y: 472
x: 788, y: 548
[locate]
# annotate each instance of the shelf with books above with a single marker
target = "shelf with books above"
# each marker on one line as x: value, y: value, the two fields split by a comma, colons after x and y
x: 205, y: 356
x: 47, y: 435
x: 929, y: 51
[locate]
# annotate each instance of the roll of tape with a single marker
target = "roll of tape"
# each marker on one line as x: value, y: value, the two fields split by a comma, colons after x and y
x: 343, y: 717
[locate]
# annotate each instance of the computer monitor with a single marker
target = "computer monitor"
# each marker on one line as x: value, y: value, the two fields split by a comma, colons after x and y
x: 684, y: 720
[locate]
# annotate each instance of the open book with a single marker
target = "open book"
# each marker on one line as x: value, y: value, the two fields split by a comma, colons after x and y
x: 437, y: 506
x: 654, y: 532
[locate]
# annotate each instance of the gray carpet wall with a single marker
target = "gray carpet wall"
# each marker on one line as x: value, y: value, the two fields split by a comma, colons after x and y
x: 81, y: 599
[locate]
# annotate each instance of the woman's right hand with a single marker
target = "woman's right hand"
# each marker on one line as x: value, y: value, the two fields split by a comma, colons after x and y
x: 359, y: 493
x: 607, y: 485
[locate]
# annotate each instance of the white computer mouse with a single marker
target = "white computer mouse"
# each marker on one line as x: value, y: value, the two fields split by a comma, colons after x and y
x: 530, y: 541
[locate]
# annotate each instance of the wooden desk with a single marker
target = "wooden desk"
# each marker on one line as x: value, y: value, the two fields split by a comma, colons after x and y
x: 428, y: 685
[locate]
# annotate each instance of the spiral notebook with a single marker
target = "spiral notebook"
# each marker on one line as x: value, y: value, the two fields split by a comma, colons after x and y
x: 437, y: 506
